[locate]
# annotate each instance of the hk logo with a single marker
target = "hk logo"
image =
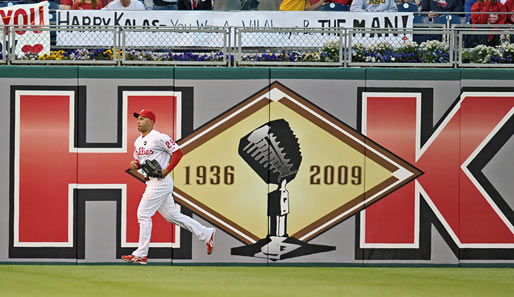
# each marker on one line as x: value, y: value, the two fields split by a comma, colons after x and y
x: 276, y: 172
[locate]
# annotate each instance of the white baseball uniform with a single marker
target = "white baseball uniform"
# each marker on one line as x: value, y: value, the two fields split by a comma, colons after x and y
x: 158, y: 192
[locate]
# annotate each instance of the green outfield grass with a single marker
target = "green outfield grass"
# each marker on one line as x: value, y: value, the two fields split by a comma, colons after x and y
x: 212, y: 281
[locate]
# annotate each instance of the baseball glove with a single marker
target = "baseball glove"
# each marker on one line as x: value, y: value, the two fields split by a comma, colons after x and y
x: 152, y: 168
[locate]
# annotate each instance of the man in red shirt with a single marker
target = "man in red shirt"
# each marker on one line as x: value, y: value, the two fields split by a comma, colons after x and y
x: 492, y: 18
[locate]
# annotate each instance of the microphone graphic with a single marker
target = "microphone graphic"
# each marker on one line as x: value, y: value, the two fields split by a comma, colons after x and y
x: 273, y: 152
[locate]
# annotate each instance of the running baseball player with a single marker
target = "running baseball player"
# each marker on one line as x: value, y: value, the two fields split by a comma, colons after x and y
x: 157, y: 154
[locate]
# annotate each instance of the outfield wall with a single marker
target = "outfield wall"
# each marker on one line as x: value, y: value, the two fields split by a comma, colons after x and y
x: 382, y: 165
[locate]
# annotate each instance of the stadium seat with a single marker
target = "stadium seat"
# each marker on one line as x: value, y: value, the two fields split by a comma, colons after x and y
x: 420, y: 19
x: 423, y: 22
x: 456, y: 19
x: 335, y: 7
x: 407, y: 7
x: 439, y: 20
x: 453, y: 20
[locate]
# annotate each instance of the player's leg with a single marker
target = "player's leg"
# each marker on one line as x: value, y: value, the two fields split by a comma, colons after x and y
x: 149, y: 204
x: 171, y: 213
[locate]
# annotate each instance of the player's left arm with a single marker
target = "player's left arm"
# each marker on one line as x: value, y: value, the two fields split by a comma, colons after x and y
x: 176, y: 154
x: 175, y: 158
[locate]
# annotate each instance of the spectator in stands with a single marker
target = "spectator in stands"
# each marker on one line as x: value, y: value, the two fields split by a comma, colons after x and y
x: 161, y: 4
x: 435, y: 6
x: 467, y: 8
x: 105, y: 2
x: 124, y: 5
x: 342, y: 2
x: 374, y: 5
x: 299, y: 5
x: 490, y: 6
x: 418, y: 3
x: 87, y: 4
x: 203, y: 4
x: 195, y: 4
x: 509, y: 6
x: 65, y: 4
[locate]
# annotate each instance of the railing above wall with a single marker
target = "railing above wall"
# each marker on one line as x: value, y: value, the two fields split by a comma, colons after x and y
x: 444, y: 45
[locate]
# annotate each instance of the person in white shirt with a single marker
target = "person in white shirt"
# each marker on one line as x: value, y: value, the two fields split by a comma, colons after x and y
x: 124, y: 5
x: 374, y: 6
x: 158, y: 195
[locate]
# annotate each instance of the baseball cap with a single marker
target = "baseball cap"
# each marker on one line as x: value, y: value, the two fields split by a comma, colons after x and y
x: 145, y: 113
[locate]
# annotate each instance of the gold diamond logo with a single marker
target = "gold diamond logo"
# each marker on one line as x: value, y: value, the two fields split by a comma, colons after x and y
x: 341, y: 171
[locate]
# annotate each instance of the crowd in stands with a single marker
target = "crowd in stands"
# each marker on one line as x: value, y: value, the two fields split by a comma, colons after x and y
x: 123, y: 4
x: 432, y: 8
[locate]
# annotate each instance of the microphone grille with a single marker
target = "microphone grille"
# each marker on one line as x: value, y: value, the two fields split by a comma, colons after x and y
x: 273, y: 151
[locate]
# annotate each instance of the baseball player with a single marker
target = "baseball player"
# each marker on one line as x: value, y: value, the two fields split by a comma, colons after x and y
x: 157, y: 154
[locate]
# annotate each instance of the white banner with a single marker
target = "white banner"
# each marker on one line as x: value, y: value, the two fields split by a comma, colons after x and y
x: 22, y: 16
x: 248, y: 19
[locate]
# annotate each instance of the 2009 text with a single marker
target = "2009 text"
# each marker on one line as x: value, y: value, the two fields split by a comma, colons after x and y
x: 340, y: 175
